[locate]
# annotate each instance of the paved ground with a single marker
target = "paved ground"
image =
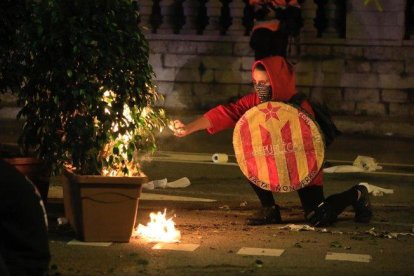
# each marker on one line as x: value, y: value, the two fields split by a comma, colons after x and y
x: 218, y: 228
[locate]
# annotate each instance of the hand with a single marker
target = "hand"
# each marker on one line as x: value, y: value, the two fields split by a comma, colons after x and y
x: 179, y: 129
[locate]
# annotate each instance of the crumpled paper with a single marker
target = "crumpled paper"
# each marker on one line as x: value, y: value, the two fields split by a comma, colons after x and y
x: 179, y: 183
x: 387, y: 235
x: 163, y: 183
x: 360, y: 164
x: 375, y: 190
x: 366, y: 163
x: 301, y: 227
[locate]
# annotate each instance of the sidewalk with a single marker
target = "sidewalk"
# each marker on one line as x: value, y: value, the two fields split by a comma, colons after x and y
x: 214, y: 237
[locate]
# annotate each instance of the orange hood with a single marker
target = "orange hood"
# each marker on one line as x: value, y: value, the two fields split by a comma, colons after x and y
x: 282, y: 78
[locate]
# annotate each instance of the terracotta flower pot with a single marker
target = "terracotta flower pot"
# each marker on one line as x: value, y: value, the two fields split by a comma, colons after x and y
x: 33, y: 169
x: 101, y: 208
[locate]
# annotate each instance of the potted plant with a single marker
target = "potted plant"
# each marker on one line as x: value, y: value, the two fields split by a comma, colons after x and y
x: 13, y: 14
x: 87, y: 99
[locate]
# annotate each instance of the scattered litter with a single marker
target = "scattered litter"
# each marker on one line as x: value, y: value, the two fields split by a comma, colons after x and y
x: 243, y: 204
x: 362, y: 258
x: 62, y: 221
x: 225, y: 207
x: 151, y: 196
x: 366, y: 163
x: 372, y: 232
x: 76, y: 242
x: 163, y: 183
x: 260, y: 251
x: 342, y: 169
x: 258, y: 263
x: 176, y: 246
x: 179, y: 183
x: 305, y: 227
x: 387, y: 235
x: 297, y: 228
x: 220, y: 158
x: 335, y: 244
x: 297, y: 245
x: 360, y: 164
x: 375, y: 190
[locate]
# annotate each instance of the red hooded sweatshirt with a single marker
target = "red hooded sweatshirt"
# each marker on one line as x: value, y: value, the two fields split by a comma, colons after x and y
x: 282, y: 80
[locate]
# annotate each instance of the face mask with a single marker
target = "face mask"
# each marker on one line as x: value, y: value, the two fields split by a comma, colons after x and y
x: 264, y: 92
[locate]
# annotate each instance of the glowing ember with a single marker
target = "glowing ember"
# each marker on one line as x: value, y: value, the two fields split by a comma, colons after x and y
x: 159, y: 229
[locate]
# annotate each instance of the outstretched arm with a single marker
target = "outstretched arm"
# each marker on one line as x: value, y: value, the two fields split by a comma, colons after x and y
x: 180, y: 129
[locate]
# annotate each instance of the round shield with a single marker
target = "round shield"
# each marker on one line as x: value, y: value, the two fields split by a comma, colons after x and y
x: 278, y: 147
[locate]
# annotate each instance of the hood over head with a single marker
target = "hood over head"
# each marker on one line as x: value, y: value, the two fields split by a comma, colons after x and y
x: 282, y: 78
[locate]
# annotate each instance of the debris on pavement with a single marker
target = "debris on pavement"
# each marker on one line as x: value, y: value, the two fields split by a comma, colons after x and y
x: 243, y: 204
x: 298, y: 227
x: 100, y: 244
x: 225, y: 207
x: 62, y: 221
x: 387, y: 235
x: 366, y: 163
x: 163, y: 183
x: 342, y: 169
x: 375, y: 190
x: 360, y: 164
x: 179, y: 183
x: 220, y: 158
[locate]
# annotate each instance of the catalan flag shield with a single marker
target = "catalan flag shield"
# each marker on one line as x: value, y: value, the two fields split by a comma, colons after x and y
x: 278, y: 147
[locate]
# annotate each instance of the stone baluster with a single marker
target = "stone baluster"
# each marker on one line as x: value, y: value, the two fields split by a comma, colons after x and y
x: 178, y: 18
x: 213, y: 12
x: 248, y: 16
x: 409, y: 20
x: 340, y: 18
x: 320, y: 21
x: 156, y: 18
x: 202, y: 18
x: 225, y: 19
x: 236, y: 28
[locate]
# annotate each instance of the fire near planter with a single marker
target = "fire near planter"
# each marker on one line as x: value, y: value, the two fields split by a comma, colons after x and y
x: 100, y: 208
x: 33, y: 169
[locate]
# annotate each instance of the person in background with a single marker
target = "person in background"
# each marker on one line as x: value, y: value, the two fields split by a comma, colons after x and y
x: 24, y: 247
x: 274, y: 80
x: 275, y: 21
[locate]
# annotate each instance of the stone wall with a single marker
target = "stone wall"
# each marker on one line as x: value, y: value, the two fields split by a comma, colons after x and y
x: 358, y: 60
x: 356, y: 75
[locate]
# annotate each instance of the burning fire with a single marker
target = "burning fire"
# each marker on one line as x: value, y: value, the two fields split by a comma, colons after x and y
x: 159, y: 229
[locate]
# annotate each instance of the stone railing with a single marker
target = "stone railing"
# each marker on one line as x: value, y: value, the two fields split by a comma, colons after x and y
x: 322, y: 18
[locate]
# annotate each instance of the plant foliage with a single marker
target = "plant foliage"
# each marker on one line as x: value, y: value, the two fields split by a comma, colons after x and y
x: 12, y: 16
x: 87, y: 86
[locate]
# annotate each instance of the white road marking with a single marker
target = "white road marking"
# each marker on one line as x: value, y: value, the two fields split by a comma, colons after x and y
x: 205, y: 158
x: 57, y: 193
x: 76, y: 242
x: 361, y: 258
x: 381, y: 164
x: 149, y: 196
x: 176, y: 246
x: 260, y: 251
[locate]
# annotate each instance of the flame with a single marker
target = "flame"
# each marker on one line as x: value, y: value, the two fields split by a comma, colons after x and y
x: 159, y: 229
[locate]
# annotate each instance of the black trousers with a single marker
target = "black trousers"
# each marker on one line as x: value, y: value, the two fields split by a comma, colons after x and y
x: 310, y: 197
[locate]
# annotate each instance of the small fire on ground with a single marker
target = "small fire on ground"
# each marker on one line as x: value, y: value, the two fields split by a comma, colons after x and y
x: 159, y: 229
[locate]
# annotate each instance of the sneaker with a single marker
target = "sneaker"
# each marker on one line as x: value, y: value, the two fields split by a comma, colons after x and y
x: 323, y: 215
x: 362, y: 207
x: 266, y: 215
